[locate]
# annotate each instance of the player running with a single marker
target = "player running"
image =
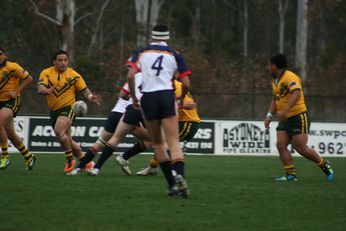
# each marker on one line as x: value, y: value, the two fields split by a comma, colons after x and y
x: 117, y: 128
x: 60, y: 83
x: 188, y: 126
x: 13, y: 81
x: 294, y: 123
x: 158, y: 64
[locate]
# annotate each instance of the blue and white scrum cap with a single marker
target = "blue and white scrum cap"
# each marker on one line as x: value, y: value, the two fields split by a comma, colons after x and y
x: 160, y: 32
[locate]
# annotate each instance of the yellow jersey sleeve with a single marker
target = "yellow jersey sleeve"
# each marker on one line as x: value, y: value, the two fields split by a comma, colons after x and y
x: 43, y: 79
x: 80, y: 84
x: 20, y: 72
x: 294, y: 83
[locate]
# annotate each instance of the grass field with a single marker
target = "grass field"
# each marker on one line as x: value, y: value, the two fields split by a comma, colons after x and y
x: 228, y: 193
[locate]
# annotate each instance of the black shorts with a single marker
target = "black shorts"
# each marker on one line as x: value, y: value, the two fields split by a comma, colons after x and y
x: 158, y: 105
x: 112, y: 121
x: 12, y: 104
x: 65, y: 111
x: 133, y: 116
x: 295, y: 125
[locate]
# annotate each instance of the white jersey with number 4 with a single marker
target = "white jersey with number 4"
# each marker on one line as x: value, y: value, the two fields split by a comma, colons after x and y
x: 158, y: 64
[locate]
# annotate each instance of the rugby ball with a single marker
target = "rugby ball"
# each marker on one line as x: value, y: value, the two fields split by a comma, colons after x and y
x: 80, y: 108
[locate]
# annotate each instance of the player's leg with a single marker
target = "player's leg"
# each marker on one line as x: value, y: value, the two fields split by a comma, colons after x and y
x: 61, y: 128
x: 107, y: 132
x: 155, y: 131
x: 283, y: 140
x: 6, y: 114
x: 121, y: 131
x: 301, y: 126
x: 18, y: 143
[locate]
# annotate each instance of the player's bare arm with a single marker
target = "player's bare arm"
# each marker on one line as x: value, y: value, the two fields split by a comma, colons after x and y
x: 282, y: 115
x: 185, y: 87
x: 24, y: 84
x: 92, y: 96
x: 132, y: 85
x: 270, y: 114
x: 44, y: 90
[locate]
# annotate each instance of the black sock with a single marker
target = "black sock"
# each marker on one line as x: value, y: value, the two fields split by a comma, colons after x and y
x: 89, y: 155
x: 166, y: 168
x: 106, y: 153
x: 136, y: 149
x: 178, y: 167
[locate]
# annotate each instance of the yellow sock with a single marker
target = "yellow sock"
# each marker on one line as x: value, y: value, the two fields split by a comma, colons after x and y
x: 322, y: 163
x: 154, y: 163
x: 289, y: 170
x: 24, y: 151
x: 4, y: 148
x: 68, y: 155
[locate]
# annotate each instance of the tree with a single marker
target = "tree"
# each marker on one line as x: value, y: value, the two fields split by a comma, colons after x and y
x: 146, y: 19
x: 301, y: 38
x: 66, y: 21
x: 283, y: 5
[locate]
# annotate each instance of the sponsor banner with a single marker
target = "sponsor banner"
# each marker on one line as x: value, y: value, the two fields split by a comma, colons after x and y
x: 85, y: 131
x: 242, y: 138
x: 251, y: 138
x: 21, y: 126
x: 329, y: 139
x: 203, y: 141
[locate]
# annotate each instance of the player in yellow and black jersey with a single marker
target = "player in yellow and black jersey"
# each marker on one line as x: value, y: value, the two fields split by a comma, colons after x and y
x: 294, y: 123
x: 60, y: 84
x: 189, y: 121
x: 13, y: 80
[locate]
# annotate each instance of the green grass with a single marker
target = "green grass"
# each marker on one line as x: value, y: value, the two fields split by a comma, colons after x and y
x: 228, y: 193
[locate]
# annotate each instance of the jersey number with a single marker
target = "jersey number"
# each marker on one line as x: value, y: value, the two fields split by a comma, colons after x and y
x: 157, y: 65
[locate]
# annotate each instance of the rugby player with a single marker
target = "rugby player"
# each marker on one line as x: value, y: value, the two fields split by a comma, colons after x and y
x: 189, y: 121
x: 158, y: 64
x: 60, y: 83
x: 294, y: 122
x: 111, y: 131
x: 13, y: 81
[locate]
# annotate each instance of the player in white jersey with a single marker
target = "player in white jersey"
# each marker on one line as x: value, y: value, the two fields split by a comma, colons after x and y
x: 159, y: 63
x: 110, y: 127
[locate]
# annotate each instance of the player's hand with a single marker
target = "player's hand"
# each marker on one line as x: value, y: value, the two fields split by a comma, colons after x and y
x: 95, y: 98
x: 135, y: 103
x: 188, y: 105
x: 282, y: 116
x: 50, y: 90
x: 12, y: 94
x: 267, y: 122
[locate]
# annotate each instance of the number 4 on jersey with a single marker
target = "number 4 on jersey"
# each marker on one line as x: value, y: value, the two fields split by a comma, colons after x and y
x: 157, y: 65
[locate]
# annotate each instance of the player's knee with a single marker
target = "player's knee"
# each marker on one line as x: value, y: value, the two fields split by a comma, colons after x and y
x: 281, y: 145
x: 301, y: 149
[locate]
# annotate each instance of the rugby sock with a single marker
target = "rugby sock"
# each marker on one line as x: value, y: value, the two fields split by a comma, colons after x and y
x: 24, y: 151
x: 178, y: 166
x: 4, y: 147
x: 166, y: 168
x: 89, y: 155
x: 68, y: 155
x: 323, y: 165
x: 106, y: 153
x: 154, y: 163
x: 289, y: 170
x: 137, y: 148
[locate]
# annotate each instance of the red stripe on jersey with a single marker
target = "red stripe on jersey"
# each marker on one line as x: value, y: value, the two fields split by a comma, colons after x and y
x: 126, y: 91
x: 133, y: 65
x: 184, y: 74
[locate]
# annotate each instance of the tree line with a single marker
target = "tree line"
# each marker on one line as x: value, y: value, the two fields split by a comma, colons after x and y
x: 227, y: 43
